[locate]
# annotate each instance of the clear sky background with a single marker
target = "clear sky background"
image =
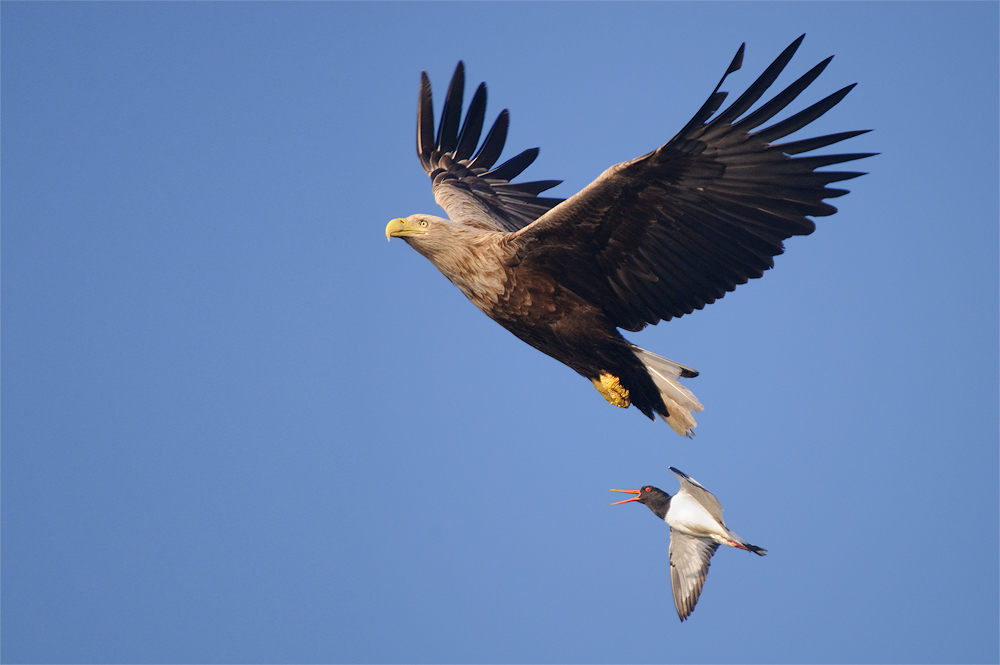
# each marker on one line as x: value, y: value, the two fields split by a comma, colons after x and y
x: 239, y: 426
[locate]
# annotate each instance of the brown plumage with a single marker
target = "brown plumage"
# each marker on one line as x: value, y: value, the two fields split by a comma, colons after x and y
x: 653, y: 238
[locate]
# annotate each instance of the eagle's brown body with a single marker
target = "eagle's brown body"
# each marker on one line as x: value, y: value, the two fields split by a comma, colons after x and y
x: 562, y: 324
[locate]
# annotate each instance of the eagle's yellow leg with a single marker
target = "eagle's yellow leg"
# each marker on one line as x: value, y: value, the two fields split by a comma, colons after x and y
x: 612, y: 389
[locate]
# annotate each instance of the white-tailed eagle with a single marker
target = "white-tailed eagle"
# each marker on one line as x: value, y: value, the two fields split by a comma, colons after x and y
x: 651, y: 239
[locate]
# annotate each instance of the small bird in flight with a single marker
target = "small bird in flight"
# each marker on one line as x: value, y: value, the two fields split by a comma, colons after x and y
x: 696, y: 531
x: 650, y: 239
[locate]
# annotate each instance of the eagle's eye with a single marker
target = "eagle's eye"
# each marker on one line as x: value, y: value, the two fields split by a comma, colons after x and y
x: 423, y: 223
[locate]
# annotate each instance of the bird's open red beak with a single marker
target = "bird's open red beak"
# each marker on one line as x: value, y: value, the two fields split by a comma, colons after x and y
x: 635, y: 498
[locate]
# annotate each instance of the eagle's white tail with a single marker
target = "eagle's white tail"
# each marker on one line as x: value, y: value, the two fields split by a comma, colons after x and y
x: 680, y: 401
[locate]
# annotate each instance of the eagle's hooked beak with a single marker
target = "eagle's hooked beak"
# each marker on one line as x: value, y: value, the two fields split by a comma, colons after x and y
x: 398, y: 228
x: 635, y: 498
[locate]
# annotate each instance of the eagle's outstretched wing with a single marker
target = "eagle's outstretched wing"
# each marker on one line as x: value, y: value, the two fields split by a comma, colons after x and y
x: 467, y: 185
x: 671, y: 231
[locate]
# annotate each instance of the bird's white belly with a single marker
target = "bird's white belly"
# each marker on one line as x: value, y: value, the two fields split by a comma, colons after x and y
x: 688, y: 516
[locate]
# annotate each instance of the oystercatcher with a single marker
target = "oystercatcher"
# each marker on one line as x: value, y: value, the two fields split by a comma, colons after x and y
x: 696, y: 531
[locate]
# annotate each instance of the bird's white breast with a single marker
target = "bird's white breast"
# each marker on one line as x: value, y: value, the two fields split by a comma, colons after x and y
x: 688, y: 516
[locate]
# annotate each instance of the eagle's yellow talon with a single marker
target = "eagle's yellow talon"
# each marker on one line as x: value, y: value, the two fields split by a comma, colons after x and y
x: 611, y: 388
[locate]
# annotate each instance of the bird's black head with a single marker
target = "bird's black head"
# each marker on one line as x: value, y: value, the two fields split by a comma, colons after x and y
x: 655, y: 499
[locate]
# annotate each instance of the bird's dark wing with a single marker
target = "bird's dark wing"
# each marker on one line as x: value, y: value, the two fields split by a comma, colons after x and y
x: 690, y: 558
x: 669, y: 232
x: 700, y: 494
x: 465, y: 184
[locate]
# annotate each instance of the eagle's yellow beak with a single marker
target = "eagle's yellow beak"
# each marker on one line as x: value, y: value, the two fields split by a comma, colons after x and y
x: 398, y: 228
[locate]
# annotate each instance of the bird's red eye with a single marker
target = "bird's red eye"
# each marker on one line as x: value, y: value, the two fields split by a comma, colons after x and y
x: 646, y: 489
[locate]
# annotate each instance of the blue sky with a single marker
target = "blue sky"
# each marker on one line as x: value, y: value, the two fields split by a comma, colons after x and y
x: 238, y: 426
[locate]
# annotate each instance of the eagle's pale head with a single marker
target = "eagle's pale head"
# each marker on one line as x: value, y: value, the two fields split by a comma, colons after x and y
x: 471, y: 257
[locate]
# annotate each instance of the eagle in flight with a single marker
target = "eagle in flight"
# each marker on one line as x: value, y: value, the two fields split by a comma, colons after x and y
x: 653, y: 238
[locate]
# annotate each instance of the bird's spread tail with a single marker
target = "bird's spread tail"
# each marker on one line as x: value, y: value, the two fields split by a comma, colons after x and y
x: 680, y: 401
x: 736, y: 541
x: 744, y: 545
